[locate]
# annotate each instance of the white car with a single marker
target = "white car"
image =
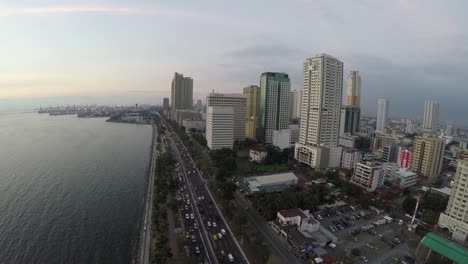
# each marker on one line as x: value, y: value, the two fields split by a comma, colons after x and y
x: 223, y: 231
x: 230, y: 257
x: 209, y: 224
x: 191, y: 216
x: 214, y: 224
x: 220, y: 236
x: 187, y: 216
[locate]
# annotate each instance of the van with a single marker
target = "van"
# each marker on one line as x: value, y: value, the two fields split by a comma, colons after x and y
x: 230, y: 258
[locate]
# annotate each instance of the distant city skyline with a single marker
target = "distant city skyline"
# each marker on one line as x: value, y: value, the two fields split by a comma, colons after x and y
x: 130, y: 49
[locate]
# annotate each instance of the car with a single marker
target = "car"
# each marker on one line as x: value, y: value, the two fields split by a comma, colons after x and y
x: 364, y: 259
x: 186, y: 207
x: 220, y: 236
x: 214, y: 224
x: 187, y: 216
x: 223, y: 232
x: 215, y: 237
x: 197, y: 250
x: 230, y: 257
x: 194, y: 238
x: 188, y: 201
x: 192, y: 216
x: 410, y: 259
x: 222, y: 253
x: 195, y: 225
x: 209, y: 224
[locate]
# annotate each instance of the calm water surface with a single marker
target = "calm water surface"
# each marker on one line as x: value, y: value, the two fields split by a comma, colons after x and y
x: 71, y: 189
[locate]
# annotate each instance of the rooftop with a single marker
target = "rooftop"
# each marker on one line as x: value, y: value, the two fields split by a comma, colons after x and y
x: 293, y: 212
x: 445, y: 248
x: 270, y: 179
x: 405, y: 173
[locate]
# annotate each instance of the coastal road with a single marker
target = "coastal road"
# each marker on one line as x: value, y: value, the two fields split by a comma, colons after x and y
x: 226, y: 249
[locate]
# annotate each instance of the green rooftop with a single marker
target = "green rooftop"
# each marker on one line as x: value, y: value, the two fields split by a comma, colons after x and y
x: 445, y: 248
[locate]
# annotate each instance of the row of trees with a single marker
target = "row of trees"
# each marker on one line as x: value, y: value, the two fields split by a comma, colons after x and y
x: 268, y: 204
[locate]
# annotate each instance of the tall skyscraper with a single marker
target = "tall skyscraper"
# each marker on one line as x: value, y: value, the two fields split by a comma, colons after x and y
x: 321, y: 111
x: 220, y: 127
x: 239, y: 104
x: 455, y: 217
x: 353, y: 89
x: 295, y: 104
x: 166, y: 106
x: 275, y: 90
x: 428, y: 154
x: 181, y: 93
x: 431, y: 116
x: 252, y: 92
x: 382, y: 115
x: 350, y: 120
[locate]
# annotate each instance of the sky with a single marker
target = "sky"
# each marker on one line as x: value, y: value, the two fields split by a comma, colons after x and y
x: 126, y: 51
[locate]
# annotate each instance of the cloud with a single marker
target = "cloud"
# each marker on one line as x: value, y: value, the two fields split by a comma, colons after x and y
x: 184, y: 14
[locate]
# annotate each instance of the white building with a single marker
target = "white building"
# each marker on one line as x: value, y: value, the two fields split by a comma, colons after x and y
x: 368, y: 175
x: 257, y: 154
x: 220, y: 127
x: 295, y: 104
x: 197, y: 124
x: 239, y: 104
x: 321, y: 111
x: 282, y: 138
x: 455, y: 217
x: 382, y: 115
x: 350, y: 158
x: 406, y: 178
x: 272, y: 182
x: 347, y: 140
x: 431, y: 116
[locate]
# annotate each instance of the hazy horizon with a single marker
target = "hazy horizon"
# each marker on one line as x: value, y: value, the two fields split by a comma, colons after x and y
x: 112, y: 51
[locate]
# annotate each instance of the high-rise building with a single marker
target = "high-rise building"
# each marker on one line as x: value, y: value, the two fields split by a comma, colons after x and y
x: 350, y: 120
x: 449, y: 130
x: 321, y: 111
x: 220, y: 127
x: 166, y: 106
x: 431, y: 116
x: 275, y: 90
x: 368, y: 175
x: 409, y: 127
x: 404, y: 157
x: 295, y: 104
x: 455, y: 217
x: 353, y: 89
x: 382, y: 115
x: 181, y: 93
x: 428, y: 154
x: 252, y: 92
x: 239, y: 103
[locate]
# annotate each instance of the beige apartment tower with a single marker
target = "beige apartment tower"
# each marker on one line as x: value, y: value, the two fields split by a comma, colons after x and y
x: 181, y: 94
x: 252, y: 92
x: 353, y: 89
x: 239, y: 103
x: 428, y: 154
x: 455, y: 217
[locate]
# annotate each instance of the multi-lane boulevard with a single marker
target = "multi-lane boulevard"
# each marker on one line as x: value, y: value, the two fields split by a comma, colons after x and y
x: 214, y: 238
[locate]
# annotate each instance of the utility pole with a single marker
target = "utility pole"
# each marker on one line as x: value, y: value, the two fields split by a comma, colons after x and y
x: 414, y: 214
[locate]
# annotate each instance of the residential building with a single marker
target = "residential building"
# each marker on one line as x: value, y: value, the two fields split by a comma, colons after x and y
x: 252, y: 92
x: 257, y: 154
x: 431, y: 116
x: 166, y: 108
x: 366, y: 131
x: 282, y: 138
x: 197, y: 124
x: 353, y: 90
x: 348, y: 140
x: 294, y: 130
x: 405, y: 178
x: 409, y: 127
x: 428, y: 154
x: 239, y: 103
x: 350, y: 120
x: 295, y: 104
x: 384, y: 140
x: 382, y: 115
x: 368, y: 175
x: 404, y: 157
x: 181, y: 115
x: 455, y: 217
x: 321, y: 111
x: 220, y: 127
x: 275, y: 89
x: 350, y: 158
x: 389, y: 153
x: 181, y: 93
x: 449, y: 130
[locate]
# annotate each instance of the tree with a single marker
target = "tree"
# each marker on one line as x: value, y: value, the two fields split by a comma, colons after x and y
x: 356, y: 252
x: 408, y: 205
x: 430, y: 216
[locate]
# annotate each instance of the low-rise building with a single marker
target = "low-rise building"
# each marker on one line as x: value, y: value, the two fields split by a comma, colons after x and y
x: 273, y: 182
x: 368, y: 175
x: 405, y: 178
x: 350, y: 158
x: 257, y: 154
x: 282, y: 138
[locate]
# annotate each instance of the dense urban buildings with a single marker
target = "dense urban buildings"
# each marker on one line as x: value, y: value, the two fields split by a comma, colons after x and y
x: 431, y: 116
x: 275, y: 90
x: 166, y: 108
x: 455, y: 217
x: 239, y: 103
x: 220, y: 127
x: 321, y: 111
x: 252, y: 92
x: 353, y: 90
x: 295, y: 104
x: 181, y: 93
x: 382, y: 115
x: 428, y: 154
